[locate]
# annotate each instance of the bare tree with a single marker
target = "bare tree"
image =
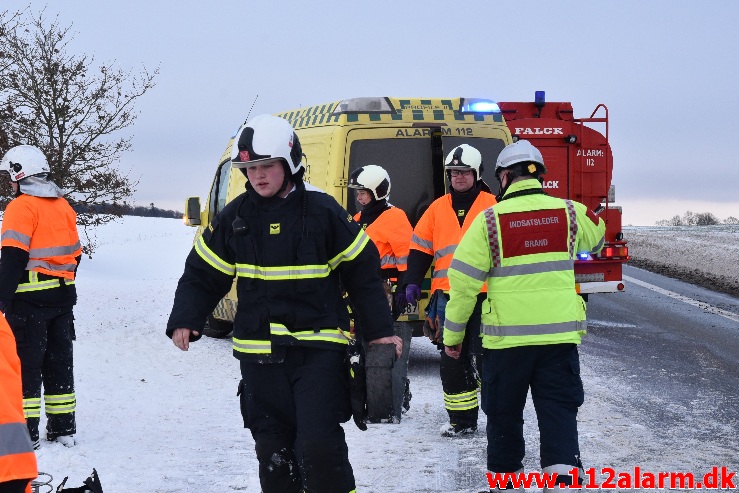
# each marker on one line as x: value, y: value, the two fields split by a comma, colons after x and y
x: 60, y: 102
x: 706, y: 219
x: 675, y: 221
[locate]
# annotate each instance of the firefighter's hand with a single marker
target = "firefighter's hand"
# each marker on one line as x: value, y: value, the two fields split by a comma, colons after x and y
x: 390, y: 340
x: 413, y: 294
x: 453, y: 351
x: 181, y: 338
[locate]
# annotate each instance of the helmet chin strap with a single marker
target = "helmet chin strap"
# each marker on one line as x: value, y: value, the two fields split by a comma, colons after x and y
x: 503, y: 188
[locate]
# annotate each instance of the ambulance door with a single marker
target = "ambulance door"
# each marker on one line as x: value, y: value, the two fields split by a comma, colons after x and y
x: 407, y: 155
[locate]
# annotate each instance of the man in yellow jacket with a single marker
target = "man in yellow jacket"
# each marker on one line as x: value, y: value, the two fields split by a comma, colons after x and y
x: 524, y: 250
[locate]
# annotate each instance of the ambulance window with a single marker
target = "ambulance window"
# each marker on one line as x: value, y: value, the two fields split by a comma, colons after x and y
x: 408, y: 162
x: 489, y: 148
x: 220, y: 188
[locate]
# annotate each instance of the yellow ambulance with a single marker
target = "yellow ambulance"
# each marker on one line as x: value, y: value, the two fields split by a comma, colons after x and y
x: 409, y: 137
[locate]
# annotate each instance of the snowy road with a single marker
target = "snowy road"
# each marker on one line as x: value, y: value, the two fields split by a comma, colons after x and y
x: 154, y: 419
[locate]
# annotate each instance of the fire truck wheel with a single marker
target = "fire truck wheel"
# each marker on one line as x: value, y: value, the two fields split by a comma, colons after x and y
x: 217, y: 328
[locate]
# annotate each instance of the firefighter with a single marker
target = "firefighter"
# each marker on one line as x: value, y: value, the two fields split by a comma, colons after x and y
x: 17, y: 460
x: 40, y: 253
x: 292, y: 249
x: 435, y: 238
x: 524, y: 250
x: 387, y: 226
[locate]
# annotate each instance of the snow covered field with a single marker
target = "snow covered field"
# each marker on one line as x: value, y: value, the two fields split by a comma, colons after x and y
x: 154, y: 419
x: 703, y: 255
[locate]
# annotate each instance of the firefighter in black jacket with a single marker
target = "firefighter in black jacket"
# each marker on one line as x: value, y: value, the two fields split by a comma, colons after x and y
x: 292, y: 248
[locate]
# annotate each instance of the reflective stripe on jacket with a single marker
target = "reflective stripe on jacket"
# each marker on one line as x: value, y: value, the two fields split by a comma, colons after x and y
x: 291, y: 258
x: 17, y: 459
x: 46, y: 228
x: 524, y: 249
x: 438, y: 233
x: 391, y: 233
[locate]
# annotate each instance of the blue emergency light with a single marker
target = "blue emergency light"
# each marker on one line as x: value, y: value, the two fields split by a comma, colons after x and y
x: 475, y: 105
x: 539, y: 98
x: 583, y: 255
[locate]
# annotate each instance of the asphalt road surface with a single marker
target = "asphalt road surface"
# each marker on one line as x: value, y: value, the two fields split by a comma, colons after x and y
x: 660, y: 366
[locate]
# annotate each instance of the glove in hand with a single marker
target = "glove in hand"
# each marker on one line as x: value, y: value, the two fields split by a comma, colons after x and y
x: 412, y: 294
x: 400, y: 299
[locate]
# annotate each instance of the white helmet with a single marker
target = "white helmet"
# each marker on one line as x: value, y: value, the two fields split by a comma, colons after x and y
x: 373, y: 178
x: 519, y: 152
x: 464, y: 157
x: 266, y: 137
x: 24, y: 161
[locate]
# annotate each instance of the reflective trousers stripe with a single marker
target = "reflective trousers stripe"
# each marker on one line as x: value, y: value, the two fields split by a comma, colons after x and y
x: 32, y: 407
x: 53, y: 404
x: 461, y: 402
x: 60, y: 404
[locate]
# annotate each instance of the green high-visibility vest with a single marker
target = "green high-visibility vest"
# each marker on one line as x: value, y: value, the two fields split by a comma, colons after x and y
x: 524, y: 248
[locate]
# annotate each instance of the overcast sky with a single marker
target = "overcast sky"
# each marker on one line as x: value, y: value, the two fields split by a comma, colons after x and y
x: 667, y: 70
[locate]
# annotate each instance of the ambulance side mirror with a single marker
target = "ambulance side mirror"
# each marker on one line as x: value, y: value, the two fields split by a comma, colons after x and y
x: 192, y: 211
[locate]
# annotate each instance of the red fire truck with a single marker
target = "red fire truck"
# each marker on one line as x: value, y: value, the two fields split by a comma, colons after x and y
x: 579, y: 167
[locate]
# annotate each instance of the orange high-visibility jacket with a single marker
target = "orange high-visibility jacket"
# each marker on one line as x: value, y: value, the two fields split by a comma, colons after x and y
x: 47, y: 229
x: 438, y: 233
x: 17, y: 459
x: 391, y: 233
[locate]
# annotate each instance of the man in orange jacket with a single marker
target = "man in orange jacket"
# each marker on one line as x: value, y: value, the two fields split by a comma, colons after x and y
x: 434, y: 239
x: 17, y: 460
x: 386, y: 225
x: 389, y: 229
x: 39, y: 258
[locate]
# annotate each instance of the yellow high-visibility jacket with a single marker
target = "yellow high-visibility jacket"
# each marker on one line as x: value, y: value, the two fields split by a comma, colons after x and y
x: 524, y: 248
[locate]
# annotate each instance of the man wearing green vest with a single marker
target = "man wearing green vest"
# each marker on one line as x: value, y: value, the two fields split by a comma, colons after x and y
x: 525, y: 248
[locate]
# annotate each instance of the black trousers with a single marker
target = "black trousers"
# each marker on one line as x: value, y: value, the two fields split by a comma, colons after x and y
x: 553, y: 374
x: 44, y: 341
x: 294, y: 410
x: 14, y: 486
x: 459, y: 376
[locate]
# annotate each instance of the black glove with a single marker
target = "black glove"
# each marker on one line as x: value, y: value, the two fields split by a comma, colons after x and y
x: 91, y: 485
x: 357, y: 383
